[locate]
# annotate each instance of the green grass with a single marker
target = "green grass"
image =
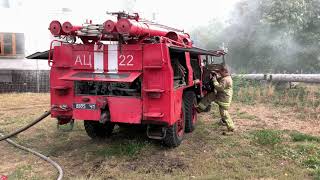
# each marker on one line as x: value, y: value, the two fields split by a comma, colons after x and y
x: 316, y: 174
x: 312, y: 162
x: 303, y: 149
x: 252, y: 92
x: 129, y: 148
x: 298, y: 137
x: 267, y: 137
x: 20, y: 172
x: 307, y: 149
x: 23, y: 172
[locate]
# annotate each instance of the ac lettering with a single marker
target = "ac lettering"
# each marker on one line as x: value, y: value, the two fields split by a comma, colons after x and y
x: 84, y: 61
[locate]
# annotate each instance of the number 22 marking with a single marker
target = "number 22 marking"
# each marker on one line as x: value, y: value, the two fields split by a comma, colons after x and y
x: 124, y: 59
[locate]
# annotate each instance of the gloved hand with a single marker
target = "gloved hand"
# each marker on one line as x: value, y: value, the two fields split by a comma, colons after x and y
x: 197, y: 81
x: 213, y: 76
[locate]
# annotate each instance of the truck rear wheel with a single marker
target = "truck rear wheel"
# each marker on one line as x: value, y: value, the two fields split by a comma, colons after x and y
x: 175, y: 133
x: 97, y: 130
x: 189, y: 99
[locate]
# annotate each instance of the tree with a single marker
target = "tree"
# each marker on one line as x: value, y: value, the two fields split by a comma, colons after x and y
x: 270, y: 36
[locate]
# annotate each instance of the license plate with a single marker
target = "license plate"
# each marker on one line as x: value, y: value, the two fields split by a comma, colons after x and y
x: 84, y: 106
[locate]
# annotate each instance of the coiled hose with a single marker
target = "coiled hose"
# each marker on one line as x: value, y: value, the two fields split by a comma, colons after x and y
x: 6, y: 138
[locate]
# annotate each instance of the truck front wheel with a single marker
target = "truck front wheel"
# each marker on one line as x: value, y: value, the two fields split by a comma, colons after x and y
x: 97, y: 130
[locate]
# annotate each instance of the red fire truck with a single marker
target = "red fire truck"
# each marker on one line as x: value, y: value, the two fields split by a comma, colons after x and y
x: 129, y: 71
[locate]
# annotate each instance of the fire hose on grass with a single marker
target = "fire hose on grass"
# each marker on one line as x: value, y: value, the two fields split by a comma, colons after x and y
x: 6, y: 138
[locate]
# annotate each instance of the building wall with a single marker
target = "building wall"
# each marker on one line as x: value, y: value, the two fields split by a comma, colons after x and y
x: 24, y: 81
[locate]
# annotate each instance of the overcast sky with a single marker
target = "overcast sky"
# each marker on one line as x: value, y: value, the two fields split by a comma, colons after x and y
x: 32, y: 17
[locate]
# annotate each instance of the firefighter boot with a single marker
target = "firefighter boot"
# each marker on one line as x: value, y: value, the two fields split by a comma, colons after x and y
x: 200, y: 108
x: 222, y: 122
x: 230, y: 124
x: 230, y: 128
x: 227, y: 133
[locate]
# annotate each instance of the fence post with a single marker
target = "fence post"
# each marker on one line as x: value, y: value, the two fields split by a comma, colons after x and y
x: 38, y: 77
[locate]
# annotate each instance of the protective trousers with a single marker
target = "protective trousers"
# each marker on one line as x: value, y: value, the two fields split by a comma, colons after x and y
x: 223, y: 108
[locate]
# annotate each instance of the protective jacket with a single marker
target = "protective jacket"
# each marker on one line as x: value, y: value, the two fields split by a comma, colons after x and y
x: 223, y: 86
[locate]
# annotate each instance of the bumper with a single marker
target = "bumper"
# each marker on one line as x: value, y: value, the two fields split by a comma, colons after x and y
x: 122, y: 109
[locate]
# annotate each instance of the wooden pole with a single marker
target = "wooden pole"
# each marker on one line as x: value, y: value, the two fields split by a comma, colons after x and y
x: 14, y: 47
x: 1, y: 45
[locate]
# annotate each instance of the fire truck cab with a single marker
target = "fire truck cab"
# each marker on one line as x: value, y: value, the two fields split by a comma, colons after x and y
x: 127, y: 72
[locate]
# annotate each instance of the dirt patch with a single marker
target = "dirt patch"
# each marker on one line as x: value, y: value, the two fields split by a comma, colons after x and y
x: 159, y: 162
x: 269, y: 117
x: 9, y: 156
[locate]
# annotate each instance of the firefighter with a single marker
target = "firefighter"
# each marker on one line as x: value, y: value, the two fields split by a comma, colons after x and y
x: 222, y: 95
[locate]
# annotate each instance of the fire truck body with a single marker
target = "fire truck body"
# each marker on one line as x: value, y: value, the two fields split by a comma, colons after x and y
x: 128, y: 81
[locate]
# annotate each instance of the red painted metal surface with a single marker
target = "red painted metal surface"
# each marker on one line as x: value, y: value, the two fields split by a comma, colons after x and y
x: 135, y: 28
x: 178, y: 104
x: 157, y: 84
x: 101, y: 77
x: 158, y: 97
x: 55, y: 28
x: 109, y: 26
x: 125, y: 109
x: 68, y: 28
x: 85, y: 114
x: 133, y: 56
x: 2, y: 177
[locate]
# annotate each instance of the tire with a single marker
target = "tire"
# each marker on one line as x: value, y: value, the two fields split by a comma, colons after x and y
x: 189, y: 99
x: 175, y: 133
x: 96, y: 130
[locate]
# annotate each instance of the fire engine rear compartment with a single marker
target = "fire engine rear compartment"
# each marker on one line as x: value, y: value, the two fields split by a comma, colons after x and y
x: 166, y: 74
x: 143, y: 96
